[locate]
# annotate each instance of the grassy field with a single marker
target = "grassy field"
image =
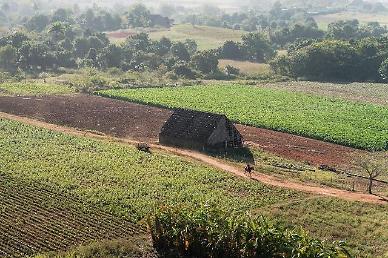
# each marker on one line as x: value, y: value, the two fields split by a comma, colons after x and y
x: 33, y: 88
x: 125, y: 182
x: 246, y: 67
x: 375, y: 93
x: 206, y: 37
x: 348, y: 123
x: 324, y: 20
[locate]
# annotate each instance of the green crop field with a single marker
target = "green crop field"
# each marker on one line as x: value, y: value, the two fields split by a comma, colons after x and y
x: 343, y: 122
x: 205, y: 36
x: 33, y: 88
x: 118, y: 179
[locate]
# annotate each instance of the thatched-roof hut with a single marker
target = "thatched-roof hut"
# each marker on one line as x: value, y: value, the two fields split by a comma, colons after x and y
x: 200, y: 130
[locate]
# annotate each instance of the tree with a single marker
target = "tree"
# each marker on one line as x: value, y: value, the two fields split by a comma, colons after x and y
x: 163, y: 46
x: 373, y: 167
x: 191, y: 46
x: 38, y: 23
x: 180, y: 51
x: 344, y: 30
x: 61, y: 15
x: 57, y: 30
x: 139, y: 16
x: 8, y: 58
x: 231, y: 50
x: 205, y: 61
x: 81, y: 46
x: 383, y: 70
x: 257, y: 47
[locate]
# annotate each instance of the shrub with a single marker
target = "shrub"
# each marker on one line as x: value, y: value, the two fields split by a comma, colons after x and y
x: 207, y: 232
x: 231, y: 70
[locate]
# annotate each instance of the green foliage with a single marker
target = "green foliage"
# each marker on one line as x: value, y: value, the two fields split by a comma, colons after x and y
x: 124, y: 248
x: 334, y: 60
x: 8, y: 58
x: 358, y: 125
x: 33, y: 88
x: 121, y: 179
x: 126, y: 182
x: 205, y: 62
x: 209, y: 232
x: 257, y: 47
x: 351, y: 29
x: 383, y: 70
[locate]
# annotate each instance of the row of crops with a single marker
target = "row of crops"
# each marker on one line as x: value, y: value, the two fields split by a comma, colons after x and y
x: 35, y: 219
x: 33, y: 88
x: 125, y: 182
x: 363, y: 126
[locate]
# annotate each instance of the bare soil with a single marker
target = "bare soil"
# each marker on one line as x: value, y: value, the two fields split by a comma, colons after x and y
x: 112, y: 117
x: 299, y: 148
x: 143, y: 123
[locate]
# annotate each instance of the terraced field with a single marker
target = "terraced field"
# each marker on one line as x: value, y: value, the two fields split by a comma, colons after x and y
x: 363, y: 126
x: 127, y: 183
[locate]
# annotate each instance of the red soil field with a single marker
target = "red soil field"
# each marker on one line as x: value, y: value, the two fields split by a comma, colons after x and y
x: 143, y: 123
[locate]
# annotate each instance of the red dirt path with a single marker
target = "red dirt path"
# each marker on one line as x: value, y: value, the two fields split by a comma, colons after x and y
x: 143, y: 123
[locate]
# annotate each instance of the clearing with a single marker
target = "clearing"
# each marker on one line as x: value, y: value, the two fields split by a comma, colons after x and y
x: 324, y: 20
x: 247, y: 67
x: 206, y: 37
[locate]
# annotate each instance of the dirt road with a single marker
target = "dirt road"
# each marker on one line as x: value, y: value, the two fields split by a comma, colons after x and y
x: 216, y: 163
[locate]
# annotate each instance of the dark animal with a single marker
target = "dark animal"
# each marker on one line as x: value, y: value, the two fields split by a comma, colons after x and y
x: 249, y: 169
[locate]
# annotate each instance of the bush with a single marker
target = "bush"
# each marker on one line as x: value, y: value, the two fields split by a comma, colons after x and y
x: 183, y: 70
x: 231, y: 70
x: 209, y: 232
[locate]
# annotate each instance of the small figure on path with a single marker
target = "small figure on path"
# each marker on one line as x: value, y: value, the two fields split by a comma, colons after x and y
x: 249, y: 169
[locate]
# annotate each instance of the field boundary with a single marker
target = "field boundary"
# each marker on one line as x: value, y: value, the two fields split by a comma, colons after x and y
x: 213, y: 162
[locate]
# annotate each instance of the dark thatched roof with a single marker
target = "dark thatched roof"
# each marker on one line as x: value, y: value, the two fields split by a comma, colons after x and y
x: 191, y: 125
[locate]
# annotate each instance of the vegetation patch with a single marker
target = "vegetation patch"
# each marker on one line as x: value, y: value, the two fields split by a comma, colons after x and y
x: 36, y: 218
x: 131, y: 183
x: 208, y: 232
x: 33, y: 88
x: 343, y: 122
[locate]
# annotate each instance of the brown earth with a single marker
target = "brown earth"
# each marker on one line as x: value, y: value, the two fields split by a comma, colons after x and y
x: 112, y: 117
x: 299, y: 148
x: 217, y: 163
x: 143, y: 123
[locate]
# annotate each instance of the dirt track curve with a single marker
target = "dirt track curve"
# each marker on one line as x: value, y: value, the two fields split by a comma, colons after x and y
x: 263, y: 178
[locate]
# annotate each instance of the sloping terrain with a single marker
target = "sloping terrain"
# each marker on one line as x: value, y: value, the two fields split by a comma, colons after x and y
x: 36, y: 219
x: 140, y: 122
